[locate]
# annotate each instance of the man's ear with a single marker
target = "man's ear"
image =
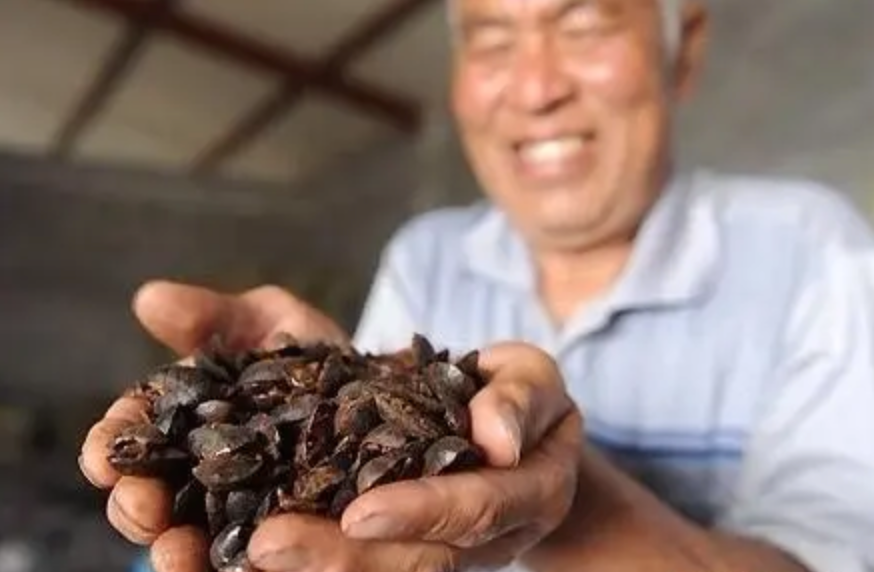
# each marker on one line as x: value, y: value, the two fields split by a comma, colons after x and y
x: 689, y: 62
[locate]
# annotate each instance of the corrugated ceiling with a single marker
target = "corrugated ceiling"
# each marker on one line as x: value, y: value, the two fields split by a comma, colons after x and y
x: 265, y: 89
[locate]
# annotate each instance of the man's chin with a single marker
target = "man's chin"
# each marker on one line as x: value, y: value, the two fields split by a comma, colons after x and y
x: 563, y: 234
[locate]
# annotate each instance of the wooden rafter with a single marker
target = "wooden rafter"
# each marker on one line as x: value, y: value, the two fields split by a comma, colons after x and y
x: 400, y: 112
x: 352, y: 45
x: 119, y: 61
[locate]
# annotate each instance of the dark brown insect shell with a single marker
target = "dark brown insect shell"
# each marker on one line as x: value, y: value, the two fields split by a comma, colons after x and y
x: 227, y: 472
x: 228, y: 544
x: 451, y: 454
x: 407, y: 417
x: 210, y: 441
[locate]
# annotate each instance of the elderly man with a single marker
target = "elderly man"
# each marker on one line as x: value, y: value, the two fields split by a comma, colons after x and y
x: 715, y: 332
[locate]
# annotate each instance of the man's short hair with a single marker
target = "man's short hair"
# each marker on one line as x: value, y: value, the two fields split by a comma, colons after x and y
x: 672, y: 23
x: 671, y: 16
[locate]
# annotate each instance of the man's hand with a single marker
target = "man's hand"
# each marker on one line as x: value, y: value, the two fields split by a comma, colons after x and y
x: 523, y: 420
x: 532, y: 436
x: 183, y: 318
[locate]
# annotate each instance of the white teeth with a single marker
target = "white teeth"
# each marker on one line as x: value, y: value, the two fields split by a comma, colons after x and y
x: 551, y: 150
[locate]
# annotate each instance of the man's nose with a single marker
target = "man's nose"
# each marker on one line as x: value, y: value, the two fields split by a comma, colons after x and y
x: 538, y: 83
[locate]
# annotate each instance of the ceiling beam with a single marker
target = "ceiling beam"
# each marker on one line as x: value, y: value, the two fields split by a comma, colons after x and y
x: 247, y: 128
x: 118, y: 63
x: 400, y: 112
x: 373, y: 30
x: 360, y: 38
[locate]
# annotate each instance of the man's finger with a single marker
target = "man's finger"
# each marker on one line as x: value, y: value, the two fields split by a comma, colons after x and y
x: 462, y: 510
x: 295, y: 543
x: 131, y: 409
x: 184, y: 317
x: 470, y: 509
x: 181, y: 316
x: 92, y: 458
x: 503, y: 551
x: 182, y: 549
x: 277, y: 311
x: 139, y: 509
x: 522, y: 401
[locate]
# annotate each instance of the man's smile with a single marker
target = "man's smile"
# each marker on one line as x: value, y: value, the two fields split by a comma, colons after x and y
x: 554, y: 157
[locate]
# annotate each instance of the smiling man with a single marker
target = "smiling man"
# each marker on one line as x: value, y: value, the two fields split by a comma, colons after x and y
x: 716, y: 332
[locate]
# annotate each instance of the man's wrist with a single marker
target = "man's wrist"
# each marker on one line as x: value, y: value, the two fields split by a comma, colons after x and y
x: 598, y: 517
x: 615, y: 524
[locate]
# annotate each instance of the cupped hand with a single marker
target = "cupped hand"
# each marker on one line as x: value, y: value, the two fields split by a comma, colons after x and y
x: 532, y: 436
x: 185, y: 317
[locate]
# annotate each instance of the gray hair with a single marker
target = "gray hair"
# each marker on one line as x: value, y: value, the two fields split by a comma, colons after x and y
x: 672, y: 24
x: 671, y: 10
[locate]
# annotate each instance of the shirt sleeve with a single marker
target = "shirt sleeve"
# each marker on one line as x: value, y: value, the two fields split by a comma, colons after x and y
x: 390, y: 314
x: 808, y: 481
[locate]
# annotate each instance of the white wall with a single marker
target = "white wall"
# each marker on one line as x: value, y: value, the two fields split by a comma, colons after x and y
x: 789, y: 89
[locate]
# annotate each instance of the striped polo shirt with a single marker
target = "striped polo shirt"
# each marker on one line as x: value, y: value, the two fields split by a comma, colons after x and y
x: 730, y: 368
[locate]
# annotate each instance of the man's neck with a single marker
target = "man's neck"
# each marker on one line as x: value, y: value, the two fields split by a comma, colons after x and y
x: 569, y: 280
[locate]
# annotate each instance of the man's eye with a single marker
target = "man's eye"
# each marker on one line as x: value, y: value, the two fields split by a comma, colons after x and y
x: 488, y: 41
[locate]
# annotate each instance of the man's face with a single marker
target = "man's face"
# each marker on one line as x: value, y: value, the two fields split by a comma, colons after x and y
x: 563, y: 107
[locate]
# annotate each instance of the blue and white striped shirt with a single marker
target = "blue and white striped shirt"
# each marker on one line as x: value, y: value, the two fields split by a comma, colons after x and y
x: 730, y: 369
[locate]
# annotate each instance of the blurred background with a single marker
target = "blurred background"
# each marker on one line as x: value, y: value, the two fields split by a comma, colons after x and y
x: 233, y: 143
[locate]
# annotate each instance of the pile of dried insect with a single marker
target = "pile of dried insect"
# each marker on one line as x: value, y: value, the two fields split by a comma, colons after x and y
x: 298, y: 428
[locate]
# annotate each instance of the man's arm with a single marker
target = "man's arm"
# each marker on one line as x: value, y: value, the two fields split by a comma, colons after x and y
x: 616, y: 525
x: 805, y: 500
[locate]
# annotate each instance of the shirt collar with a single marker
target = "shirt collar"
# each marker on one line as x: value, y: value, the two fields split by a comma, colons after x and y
x: 492, y: 249
x: 674, y: 259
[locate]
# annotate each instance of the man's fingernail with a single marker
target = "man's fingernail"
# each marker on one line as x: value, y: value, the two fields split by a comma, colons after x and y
x: 372, y: 527
x: 288, y: 560
x: 510, y: 419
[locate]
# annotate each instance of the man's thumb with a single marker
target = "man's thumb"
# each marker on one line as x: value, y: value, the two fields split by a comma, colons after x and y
x: 181, y: 316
